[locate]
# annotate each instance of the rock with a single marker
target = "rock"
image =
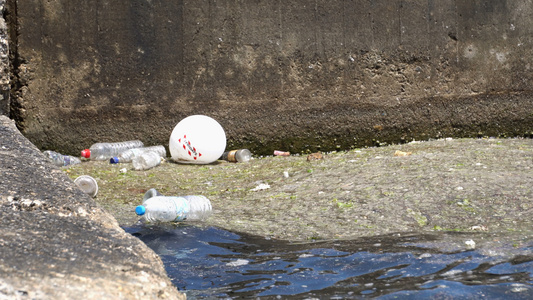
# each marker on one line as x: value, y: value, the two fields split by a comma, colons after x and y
x: 57, y: 243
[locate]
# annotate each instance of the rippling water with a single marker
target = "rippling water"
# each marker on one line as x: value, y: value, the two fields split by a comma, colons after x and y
x: 207, y: 262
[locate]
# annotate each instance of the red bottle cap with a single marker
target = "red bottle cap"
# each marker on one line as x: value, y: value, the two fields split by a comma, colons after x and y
x: 86, y: 153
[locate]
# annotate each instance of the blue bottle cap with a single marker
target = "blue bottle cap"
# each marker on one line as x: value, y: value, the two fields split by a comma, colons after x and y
x: 114, y: 160
x: 140, y: 210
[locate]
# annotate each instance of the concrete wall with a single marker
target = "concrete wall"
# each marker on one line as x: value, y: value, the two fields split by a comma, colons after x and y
x: 292, y: 75
x: 4, y: 64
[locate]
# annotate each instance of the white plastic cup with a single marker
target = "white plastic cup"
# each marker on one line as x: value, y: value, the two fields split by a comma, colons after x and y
x: 87, y: 184
x: 197, y: 139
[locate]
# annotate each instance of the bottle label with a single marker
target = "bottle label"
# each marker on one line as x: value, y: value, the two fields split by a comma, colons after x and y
x: 231, y: 156
x: 182, y: 209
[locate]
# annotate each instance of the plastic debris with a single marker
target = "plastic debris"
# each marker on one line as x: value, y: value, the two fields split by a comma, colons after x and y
x: 241, y: 155
x: 470, y: 244
x: 402, y: 153
x: 238, y: 262
x: 281, y: 153
x: 87, y: 184
x: 315, y: 156
x: 260, y: 187
x: 197, y: 139
x: 104, y: 151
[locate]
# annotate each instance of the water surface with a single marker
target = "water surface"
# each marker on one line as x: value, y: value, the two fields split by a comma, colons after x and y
x: 207, y: 262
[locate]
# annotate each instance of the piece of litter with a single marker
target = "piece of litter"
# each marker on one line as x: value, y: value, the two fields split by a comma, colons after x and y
x: 470, y: 244
x: 238, y: 262
x: 425, y: 255
x: 315, y: 156
x: 305, y: 255
x: 281, y: 153
x: 123, y: 170
x: 286, y: 174
x: 262, y: 186
x: 401, y: 153
x: 479, y: 228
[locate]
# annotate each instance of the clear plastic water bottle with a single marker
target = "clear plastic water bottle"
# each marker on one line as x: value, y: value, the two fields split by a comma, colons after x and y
x: 128, y: 155
x: 146, y: 161
x: 87, y: 184
x: 61, y: 160
x: 151, y: 193
x: 200, y: 207
x: 171, y: 208
x: 104, y: 151
x: 241, y: 155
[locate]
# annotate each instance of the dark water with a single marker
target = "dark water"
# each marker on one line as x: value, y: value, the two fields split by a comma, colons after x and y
x: 208, y: 263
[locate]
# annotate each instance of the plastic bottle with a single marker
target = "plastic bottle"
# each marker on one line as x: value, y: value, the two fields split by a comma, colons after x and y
x: 61, y: 160
x: 146, y: 161
x: 104, y: 151
x: 87, y: 184
x: 241, y: 155
x: 151, y: 193
x: 200, y: 207
x: 128, y: 155
x: 171, y: 208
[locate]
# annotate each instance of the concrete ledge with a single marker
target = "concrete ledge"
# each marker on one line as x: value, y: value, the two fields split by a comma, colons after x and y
x: 57, y: 243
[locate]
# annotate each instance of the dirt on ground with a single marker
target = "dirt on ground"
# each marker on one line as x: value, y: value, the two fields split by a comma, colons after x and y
x: 464, y: 185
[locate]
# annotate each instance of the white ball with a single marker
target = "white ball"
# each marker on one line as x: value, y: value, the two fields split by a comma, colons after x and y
x: 197, y: 139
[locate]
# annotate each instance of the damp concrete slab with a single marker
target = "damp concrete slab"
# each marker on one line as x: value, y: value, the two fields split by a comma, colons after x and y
x: 58, y: 243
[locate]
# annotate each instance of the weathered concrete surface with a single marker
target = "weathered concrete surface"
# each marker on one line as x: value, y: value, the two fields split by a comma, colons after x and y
x: 276, y: 74
x: 57, y: 243
x: 474, y: 186
x: 5, y: 72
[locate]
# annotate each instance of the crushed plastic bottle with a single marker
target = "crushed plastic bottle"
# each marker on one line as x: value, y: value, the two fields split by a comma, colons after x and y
x: 104, y: 151
x: 128, y: 155
x: 146, y: 161
x: 61, y: 160
x: 241, y: 155
x: 172, y: 208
